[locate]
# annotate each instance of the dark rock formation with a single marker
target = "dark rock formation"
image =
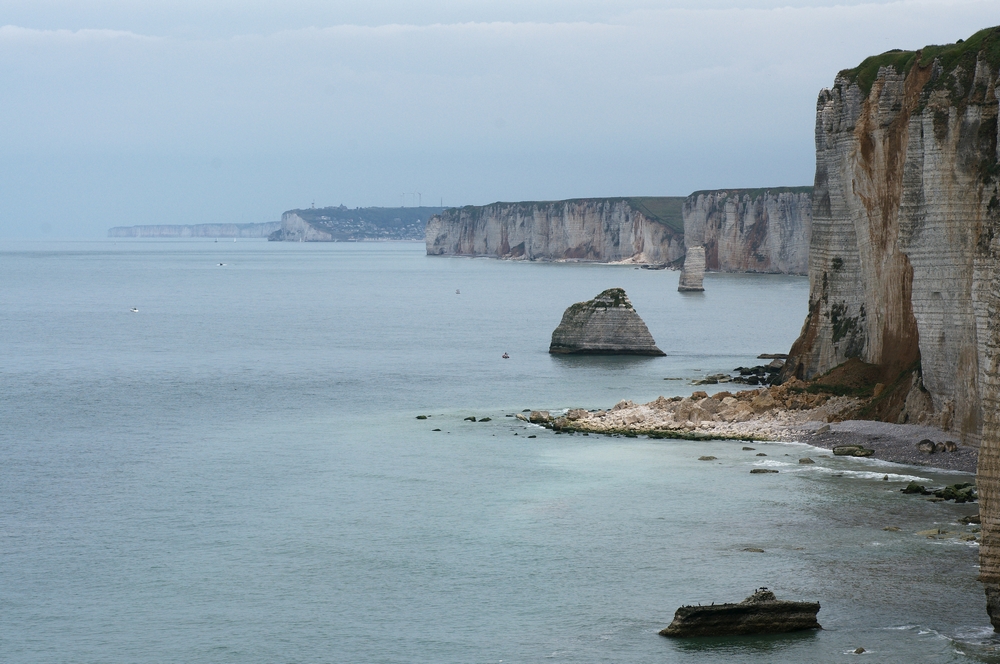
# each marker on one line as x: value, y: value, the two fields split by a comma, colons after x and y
x: 761, y: 613
x: 853, y: 450
x: 606, y: 325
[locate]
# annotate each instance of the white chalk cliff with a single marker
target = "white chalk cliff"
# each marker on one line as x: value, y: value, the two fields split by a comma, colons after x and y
x: 640, y: 230
x: 744, y: 230
x: 905, y: 247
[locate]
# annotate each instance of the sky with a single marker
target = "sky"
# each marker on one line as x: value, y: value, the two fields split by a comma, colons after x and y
x: 124, y: 112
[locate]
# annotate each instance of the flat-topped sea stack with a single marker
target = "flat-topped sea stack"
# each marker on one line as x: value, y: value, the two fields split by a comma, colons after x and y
x: 606, y: 325
x: 693, y: 275
x: 761, y: 613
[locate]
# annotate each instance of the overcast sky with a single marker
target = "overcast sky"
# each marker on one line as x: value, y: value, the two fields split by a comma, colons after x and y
x: 123, y: 112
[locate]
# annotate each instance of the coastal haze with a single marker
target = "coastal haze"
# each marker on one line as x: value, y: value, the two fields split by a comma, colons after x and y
x: 151, y: 113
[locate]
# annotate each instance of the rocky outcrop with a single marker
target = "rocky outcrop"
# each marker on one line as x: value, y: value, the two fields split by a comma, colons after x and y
x: 902, y: 229
x: 640, y: 230
x: 761, y: 613
x: 198, y: 230
x: 751, y: 230
x: 906, y: 245
x: 693, y: 274
x: 606, y: 325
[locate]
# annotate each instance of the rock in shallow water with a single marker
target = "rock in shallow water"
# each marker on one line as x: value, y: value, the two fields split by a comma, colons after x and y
x: 606, y: 325
x: 761, y: 613
x: 853, y: 450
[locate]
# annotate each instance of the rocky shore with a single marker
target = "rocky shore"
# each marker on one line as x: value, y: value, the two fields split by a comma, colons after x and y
x: 793, y: 412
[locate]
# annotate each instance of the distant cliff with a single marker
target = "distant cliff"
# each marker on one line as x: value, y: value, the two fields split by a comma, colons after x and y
x: 639, y: 229
x: 342, y: 224
x: 198, y: 230
x: 751, y: 230
x: 742, y: 230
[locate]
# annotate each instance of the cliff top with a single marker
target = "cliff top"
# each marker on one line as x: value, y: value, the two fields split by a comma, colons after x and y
x: 963, y: 53
x: 756, y: 193
x: 666, y: 210
x: 379, y: 216
x: 608, y: 299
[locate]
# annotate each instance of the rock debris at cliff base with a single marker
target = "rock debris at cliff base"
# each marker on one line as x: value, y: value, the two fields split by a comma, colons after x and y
x: 786, y: 413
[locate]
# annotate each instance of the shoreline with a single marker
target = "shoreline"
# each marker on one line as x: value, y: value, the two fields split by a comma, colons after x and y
x: 786, y: 413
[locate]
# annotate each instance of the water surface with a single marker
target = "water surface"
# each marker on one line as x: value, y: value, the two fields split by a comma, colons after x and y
x: 236, y: 472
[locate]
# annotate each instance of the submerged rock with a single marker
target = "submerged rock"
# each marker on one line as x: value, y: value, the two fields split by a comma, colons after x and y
x: 853, y: 450
x: 606, y: 325
x: 761, y: 613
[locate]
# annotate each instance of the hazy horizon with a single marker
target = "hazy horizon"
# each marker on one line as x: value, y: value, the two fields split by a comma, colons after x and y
x: 120, y: 113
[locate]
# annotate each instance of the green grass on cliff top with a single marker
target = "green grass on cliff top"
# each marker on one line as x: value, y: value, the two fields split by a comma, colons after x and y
x: 757, y: 193
x: 962, y: 53
x: 666, y: 210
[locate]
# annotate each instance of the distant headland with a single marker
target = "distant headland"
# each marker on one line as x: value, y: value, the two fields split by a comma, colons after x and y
x: 260, y: 230
x: 342, y: 224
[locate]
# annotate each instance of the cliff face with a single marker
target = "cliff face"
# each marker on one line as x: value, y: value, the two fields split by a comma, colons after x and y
x: 744, y: 230
x: 905, y: 172
x: 643, y: 230
x: 904, y: 252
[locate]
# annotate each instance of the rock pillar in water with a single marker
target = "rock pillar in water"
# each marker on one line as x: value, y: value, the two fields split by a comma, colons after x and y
x: 693, y: 273
x: 606, y: 325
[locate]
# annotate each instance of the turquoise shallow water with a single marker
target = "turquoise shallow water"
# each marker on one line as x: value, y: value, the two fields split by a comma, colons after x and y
x: 235, y: 472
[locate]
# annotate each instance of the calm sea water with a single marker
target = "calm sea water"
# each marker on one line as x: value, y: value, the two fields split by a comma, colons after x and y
x: 235, y: 473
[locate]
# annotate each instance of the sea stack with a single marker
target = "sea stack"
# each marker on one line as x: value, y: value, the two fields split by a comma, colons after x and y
x: 761, y: 613
x: 693, y: 273
x: 606, y: 325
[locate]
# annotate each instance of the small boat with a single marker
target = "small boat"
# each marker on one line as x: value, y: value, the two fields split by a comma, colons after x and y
x: 505, y: 356
x: 134, y: 310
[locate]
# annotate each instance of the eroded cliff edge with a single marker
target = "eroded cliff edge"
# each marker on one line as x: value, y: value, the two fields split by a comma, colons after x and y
x: 904, y: 252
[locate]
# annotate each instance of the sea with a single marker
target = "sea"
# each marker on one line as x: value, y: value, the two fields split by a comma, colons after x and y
x: 212, y: 451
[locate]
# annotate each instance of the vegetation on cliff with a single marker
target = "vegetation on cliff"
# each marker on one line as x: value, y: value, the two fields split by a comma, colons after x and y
x: 957, y: 60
